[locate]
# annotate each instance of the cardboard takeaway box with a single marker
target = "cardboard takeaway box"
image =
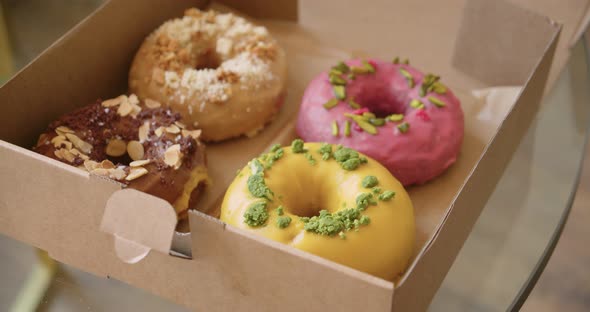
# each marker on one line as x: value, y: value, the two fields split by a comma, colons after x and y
x: 473, y: 44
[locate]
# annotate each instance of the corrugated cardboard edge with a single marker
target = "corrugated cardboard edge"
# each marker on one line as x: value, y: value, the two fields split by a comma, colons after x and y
x: 429, y: 272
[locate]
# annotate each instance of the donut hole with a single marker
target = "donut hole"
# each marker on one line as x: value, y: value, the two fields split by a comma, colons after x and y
x: 381, y: 101
x: 208, y: 60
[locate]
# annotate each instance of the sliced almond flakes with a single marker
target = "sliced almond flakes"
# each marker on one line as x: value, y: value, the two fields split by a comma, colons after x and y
x: 193, y: 133
x: 117, y: 174
x: 143, y: 131
x: 139, y: 163
x: 80, y: 144
x: 62, y: 130
x: 125, y: 108
x: 159, y: 131
x: 173, y: 156
x: 113, y: 102
x: 135, y: 173
x: 100, y: 171
x: 90, y: 165
x: 116, y: 148
x: 106, y: 164
x: 149, y: 103
x: 173, y: 129
x: 135, y: 150
x: 68, y: 155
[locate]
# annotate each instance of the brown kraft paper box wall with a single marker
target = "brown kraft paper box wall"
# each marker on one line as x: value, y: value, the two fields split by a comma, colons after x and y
x: 60, y: 209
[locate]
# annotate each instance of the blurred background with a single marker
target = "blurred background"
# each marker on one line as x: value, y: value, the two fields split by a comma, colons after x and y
x: 506, y: 238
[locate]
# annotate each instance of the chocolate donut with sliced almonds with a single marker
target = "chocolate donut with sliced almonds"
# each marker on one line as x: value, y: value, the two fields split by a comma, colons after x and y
x: 140, y: 144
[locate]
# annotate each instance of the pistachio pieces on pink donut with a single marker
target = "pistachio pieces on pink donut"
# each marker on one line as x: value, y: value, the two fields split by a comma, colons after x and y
x: 408, y: 121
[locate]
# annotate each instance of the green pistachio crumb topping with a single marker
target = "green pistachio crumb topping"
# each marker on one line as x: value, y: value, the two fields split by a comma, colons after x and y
x: 368, y: 115
x: 280, y: 210
x: 436, y: 101
x: 256, y: 214
x: 297, y: 146
x: 387, y: 195
x: 379, y: 122
x: 408, y: 77
x: 331, y: 103
x: 363, y: 124
x: 439, y: 88
x: 335, y: 79
x: 335, y: 128
x: 359, y: 70
x: 350, y: 164
x: 342, y: 235
x: 310, y: 158
x: 406, y: 61
x: 376, y: 190
x: 369, y: 67
x: 365, y: 220
x: 339, y: 92
x: 364, y: 200
x: 347, y: 128
x: 415, y: 103
x: 331, y: 224
x: 403, y: 127
x: 395, y: 117
x: 256, y: 166
x: 275, y: 147
x: 363, y: 160
x: 348, y: 158
x: 369, y: 181
x: 353, y: 104
x: 341, y: 67
x: 283, y: 222
x: 325, y: 150
x: 257, y: 186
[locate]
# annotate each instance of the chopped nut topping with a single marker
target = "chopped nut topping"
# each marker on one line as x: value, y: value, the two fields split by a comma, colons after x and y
x: 58, y: 154
x: 149, y: 103
x: 63, y: 129
x: 135, y: 150
x: 100, y: 171
x: 117, y: 174
x: 144, y: 131
x: 135, y: 173
x: 80, y: 144
x: 106, y: 164
x: 228, y: 76
x: 125, y: 108
x: 159, y: 131
x: 79, y: 154
x: 113, y: 102
x: 180, y: 124
x: 90, y: 165
x: 173, y: 156
x: 139, y: 163
x: 193, y: 133
x: 173, y: 129
x: 116, y: 148
x: 158, y: 76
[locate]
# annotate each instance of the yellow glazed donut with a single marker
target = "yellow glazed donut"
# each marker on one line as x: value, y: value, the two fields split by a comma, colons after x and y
x: 222, y: 73
x: 327, y: 200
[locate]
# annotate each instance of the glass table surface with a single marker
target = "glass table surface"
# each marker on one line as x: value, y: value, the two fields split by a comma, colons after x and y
x: 495, y: 270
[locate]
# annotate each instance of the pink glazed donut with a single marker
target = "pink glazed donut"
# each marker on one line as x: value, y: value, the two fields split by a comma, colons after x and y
x: 409, y: 122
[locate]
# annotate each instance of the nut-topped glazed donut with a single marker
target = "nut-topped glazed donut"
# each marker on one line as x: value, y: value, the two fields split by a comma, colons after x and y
x: 327, y: 200
x: 409, y: 122
x: 219, y: 71
x: 142, y: 145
